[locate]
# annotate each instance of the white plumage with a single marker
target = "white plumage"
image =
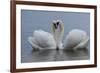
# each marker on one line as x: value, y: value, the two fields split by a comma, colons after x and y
x: 58, y: 31
x: 42, y: 40
x: 75, y: 39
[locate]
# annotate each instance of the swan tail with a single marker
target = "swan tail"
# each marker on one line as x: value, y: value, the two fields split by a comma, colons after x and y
x: 82, y: 45
x: 31, y: 41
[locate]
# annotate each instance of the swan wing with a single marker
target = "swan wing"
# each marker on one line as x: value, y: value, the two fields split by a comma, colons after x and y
x: 42, y: 40
x: 76, y: 39
x: 81, y: 45
x: 33, y: 43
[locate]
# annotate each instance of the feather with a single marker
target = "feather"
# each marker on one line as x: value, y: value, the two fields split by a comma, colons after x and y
x: 76, y: 39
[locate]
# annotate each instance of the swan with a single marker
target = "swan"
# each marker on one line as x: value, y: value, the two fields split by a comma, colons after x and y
x: 75, y: 39
x: 42, y: 40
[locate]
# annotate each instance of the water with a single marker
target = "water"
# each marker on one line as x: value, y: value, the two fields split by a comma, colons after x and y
x: 54, y: 55
x: 33, y: 20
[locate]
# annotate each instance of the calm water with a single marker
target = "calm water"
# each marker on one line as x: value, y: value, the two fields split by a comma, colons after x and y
x: 33, y: 20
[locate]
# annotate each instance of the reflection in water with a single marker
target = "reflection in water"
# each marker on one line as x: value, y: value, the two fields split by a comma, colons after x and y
x: 48, y: 55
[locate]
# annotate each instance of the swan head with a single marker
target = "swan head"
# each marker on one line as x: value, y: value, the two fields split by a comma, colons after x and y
x: 58, y: 29
x: 58, y: 25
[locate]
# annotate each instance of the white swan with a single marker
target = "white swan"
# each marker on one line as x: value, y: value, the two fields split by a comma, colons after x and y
x: 76, y: 39
x: 43, y: 40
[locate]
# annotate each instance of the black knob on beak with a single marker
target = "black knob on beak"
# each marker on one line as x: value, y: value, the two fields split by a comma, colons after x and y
x: 55, y: 25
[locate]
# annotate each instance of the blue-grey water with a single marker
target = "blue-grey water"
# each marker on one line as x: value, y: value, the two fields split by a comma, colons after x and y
x: 35, y: 19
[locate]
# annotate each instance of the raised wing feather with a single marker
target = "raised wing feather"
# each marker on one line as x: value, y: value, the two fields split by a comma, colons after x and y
x: 42, y: 40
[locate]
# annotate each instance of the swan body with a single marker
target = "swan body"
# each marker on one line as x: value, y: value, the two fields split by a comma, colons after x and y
x: 75, y: 39
x: 42, y: 40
